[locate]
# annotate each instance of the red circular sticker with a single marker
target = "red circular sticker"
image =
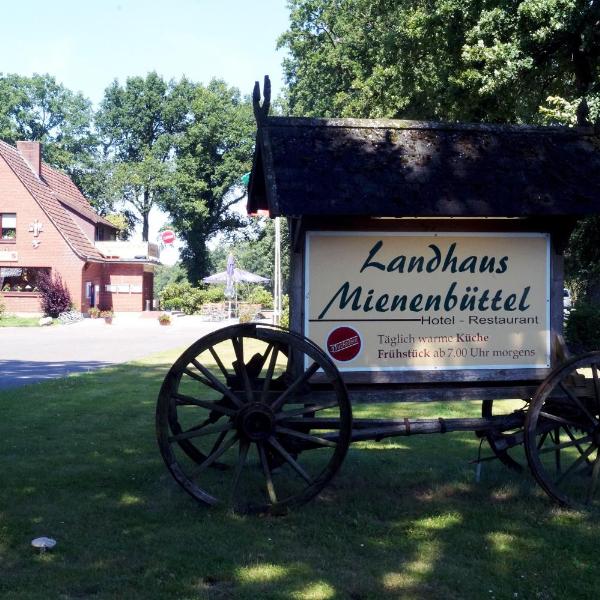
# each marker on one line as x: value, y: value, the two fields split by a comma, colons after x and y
x: 344, y: 343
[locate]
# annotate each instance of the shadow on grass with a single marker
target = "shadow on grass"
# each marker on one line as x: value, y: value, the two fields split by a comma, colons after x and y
x: 403, y: 519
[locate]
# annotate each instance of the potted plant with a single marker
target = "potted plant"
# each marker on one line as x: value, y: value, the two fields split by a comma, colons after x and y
x: 107, y: 315
x: 94, y: 312
x: 164, y: 319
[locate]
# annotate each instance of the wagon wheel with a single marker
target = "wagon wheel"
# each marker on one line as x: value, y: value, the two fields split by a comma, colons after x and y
x: 265, y: 406
x: 504, y: 444
x: 562, y: 433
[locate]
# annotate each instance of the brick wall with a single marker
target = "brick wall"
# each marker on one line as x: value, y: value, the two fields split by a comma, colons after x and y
x: 53, y: 251
x: 92, y: 273
x: 124, y: 274
x: 17, y: 302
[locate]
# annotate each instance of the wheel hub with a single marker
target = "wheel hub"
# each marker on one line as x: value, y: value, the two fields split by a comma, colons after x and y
x: 256, y: 422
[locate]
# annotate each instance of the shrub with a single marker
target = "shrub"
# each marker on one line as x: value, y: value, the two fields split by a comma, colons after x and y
x: 56, y: 298
x: 259, y: 295
x: 94, y: 312
x: 582, y: 330
x: 214, y: 293
x: 2, y: 307
x: 172, y: 295
x: 185, y: 297
x: 245, y: 316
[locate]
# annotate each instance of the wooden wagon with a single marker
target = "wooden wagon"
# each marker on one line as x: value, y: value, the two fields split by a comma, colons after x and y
x: 427, y: 264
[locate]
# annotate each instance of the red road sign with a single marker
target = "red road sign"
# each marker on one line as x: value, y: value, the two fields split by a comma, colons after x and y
x: 167, y: 236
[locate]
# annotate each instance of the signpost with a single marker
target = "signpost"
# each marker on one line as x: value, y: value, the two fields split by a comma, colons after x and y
x: 422, y: 301
x: 426, y: 265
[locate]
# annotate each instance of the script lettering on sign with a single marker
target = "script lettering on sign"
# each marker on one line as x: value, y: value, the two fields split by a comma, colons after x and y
x: 415, y: 301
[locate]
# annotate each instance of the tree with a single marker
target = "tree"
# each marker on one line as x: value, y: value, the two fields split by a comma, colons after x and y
x: 212, y: 154
x: 165, y: 275
x: 534, y: 61
x: 448, y: 60
x: 138, y: 123
x: 38, y: 108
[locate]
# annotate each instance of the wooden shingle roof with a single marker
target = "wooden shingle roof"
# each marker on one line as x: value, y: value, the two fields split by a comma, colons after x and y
x: 49, y: 199
x: 394, y: 168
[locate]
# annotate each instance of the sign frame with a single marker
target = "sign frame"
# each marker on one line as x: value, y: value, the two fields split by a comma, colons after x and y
x: 310, y: 234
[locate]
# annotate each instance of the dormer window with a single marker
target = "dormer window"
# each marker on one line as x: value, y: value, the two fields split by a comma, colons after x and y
x: 8, y: 227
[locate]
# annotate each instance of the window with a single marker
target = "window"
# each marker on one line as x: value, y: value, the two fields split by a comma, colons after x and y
x: 20, y: 279
x: 8, y: 226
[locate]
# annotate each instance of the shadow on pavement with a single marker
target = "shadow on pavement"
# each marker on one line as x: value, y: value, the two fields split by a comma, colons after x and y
x: 14, y: 373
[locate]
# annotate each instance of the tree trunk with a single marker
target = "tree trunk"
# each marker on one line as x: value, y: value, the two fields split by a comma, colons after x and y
x: 145, y: 214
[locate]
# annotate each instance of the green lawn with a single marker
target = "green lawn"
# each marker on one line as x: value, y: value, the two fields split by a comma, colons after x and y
x: 14, y: 321
x: 403, y: 519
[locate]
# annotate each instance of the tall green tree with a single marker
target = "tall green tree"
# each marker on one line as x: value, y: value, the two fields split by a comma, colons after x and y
x: 445, y: 59
x: 213, y: 152
x: 138, y: 123
x: 38, y: 108
x: 533, y: 61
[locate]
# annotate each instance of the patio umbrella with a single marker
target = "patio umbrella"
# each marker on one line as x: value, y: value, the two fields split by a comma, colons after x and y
x: 239, y: 275
x: 231, y: 277
x: 229, y: 288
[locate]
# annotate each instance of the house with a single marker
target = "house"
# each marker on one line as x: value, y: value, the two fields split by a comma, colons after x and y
x: 47, y: 225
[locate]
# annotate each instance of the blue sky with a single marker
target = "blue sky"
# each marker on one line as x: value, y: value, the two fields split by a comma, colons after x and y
x: 86, y: 44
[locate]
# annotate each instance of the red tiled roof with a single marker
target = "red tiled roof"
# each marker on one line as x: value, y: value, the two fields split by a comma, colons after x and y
x: 48, y: 197
x: 68, y: 193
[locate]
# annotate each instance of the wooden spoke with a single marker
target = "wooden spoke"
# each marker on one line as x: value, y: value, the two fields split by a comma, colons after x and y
x: 596, y: 386
x: 542, y: 439
x: 216, y: 384
x: 263, y: 357
x: 306, y: 437
x: 197, y: 377
x: 558, y: 419
x: 574, y: 466
x: 218, y: 441
x: 572, y: 438
x: 557, y: 448
x: 183, y: 400
x: 307, y: 410
x: 290, y: 460
x: 230, y: 402
x: 192, y: 433
x: 279, y: 402
x: 594, y: 479
x: 219, y: 362
x: 566, y: 399
x: 577, y: 401
x: 267, y: 471
x: 211, y: 458
x: 269, y: 375
x: 238, y: 347
x: 569, y: 444
x: 243, y: 454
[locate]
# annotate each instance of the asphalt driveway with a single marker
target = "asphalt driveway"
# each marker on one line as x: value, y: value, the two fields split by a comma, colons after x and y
x: 33, y: 354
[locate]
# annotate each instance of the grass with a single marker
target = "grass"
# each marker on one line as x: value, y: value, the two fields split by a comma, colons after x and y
x: 403, y: 519
x: 15, y: 321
